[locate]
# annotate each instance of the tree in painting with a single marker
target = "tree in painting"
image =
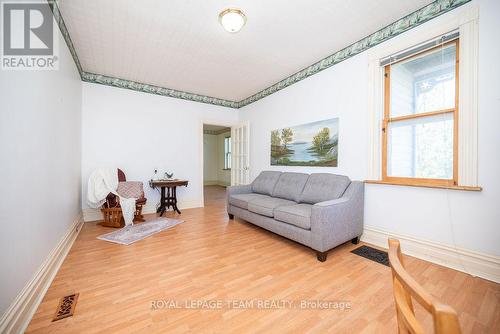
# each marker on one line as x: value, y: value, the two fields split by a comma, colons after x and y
x: 321, y: 140
x: 286, y: 136
x: 279, y: 141
x: 275, y: 138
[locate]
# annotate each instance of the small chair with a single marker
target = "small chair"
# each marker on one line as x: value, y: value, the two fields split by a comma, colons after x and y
x: 405, y: 288
x: 112, y: 210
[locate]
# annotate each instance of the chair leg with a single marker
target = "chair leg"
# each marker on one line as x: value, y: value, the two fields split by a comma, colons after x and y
x: 321, y: 256
x: 355, y: 240
x: 138, y: 217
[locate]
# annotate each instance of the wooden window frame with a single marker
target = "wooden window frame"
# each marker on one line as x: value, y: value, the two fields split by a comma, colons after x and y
x: 387, y: 119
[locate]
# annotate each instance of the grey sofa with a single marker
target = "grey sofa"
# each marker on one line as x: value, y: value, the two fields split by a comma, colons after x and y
x: 319, y: 210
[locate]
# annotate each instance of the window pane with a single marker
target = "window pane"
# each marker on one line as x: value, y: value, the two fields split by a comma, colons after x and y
x: 227, y: 152
x: 425, y: 83
x: 421, y: 147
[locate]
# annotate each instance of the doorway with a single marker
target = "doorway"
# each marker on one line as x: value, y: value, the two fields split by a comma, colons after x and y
x: 217, y: 162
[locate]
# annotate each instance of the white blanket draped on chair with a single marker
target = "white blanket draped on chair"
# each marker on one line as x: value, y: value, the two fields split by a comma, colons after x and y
x: 103, y: 181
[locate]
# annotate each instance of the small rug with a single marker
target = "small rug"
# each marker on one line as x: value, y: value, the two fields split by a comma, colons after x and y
x: 130, y: 234
x: 372, y: 254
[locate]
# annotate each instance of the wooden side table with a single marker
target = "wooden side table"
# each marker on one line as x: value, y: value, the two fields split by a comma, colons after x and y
x: 169, y: 198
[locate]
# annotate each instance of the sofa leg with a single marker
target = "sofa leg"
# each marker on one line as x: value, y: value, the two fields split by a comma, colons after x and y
x: 231, y: 216
x: 321, y: 256
x: 355, y: 240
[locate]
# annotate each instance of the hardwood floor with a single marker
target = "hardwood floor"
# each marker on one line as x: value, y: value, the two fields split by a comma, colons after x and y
x: 210, y: 258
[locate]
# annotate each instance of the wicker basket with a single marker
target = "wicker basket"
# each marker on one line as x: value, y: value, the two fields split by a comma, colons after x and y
x: 113, y: 217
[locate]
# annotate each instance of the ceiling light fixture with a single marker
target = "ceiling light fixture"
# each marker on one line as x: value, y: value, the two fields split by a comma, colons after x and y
x: 232, y: 19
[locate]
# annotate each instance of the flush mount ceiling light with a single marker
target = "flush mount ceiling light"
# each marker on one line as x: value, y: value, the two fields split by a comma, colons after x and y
x: 232, y: 19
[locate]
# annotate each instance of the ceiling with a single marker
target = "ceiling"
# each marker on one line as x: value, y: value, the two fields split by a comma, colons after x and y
x: 215, y: 128
x: 179, y: 44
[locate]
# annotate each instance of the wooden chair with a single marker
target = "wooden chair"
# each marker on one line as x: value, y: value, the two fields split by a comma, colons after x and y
x: 112, y: 211
x: 405, y: 288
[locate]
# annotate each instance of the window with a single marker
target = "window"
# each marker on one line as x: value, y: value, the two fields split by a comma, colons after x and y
x: 420, y: 130
x: 227, y: 153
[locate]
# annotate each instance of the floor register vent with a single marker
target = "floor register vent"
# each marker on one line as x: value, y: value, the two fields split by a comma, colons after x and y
x: 66, y: 307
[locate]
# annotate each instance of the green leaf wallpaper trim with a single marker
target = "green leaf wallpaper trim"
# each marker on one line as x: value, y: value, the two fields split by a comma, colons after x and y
x: 406, y: 23
x: 141, y: 87
x: 53, y: 4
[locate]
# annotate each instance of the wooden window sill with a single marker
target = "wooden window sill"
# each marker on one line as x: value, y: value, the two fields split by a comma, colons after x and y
x: 423, y: 185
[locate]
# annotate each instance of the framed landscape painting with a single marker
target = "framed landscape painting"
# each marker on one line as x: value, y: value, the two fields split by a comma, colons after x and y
x: 311, y: 144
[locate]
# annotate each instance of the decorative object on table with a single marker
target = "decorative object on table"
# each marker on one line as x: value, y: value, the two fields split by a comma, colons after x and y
x: 126, y: 191
x: 311, y: 144
x: 168, y: 175
x: 132, y: 233
x: 168, y: 199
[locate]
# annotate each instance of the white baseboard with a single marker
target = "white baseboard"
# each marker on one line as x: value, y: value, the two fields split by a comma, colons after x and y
x: 17, y: 317
x: 470, y: 262
x: 92, y: 215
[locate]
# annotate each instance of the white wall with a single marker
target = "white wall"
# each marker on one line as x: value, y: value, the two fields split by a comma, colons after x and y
x: 210, y: 159
x: 213, y: 160
x: 40, y: 127
x: 468, y: 220
x: 139, y: 132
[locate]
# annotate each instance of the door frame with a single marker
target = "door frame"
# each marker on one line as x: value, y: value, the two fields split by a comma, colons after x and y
x: 247, y: 168
x: 201, y: 180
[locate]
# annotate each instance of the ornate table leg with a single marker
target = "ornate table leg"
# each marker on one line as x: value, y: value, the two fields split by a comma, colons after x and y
x: 169, y: 197
x: 161, y: 209
x: 174, y: 191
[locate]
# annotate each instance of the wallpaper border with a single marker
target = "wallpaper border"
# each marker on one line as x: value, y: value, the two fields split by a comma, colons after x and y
x: 406, y: 23
x: 152, y: 89
x: 54, y: 7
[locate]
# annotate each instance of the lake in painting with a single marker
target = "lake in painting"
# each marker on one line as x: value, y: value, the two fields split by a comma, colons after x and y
x: 311, y: 144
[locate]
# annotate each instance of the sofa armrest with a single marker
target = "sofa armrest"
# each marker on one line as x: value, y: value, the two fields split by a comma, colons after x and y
x: 332, y: 203
x: 337, y: 221
x: 234, y: 190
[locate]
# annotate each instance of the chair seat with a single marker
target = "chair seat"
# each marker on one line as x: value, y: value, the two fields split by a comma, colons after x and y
x: 298, y: 215
x: 242, y: 200
x: 266, y: 206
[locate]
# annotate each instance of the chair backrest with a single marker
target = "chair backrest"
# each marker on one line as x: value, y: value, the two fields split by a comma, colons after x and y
x: 407, y: 289
x: 121, y: 176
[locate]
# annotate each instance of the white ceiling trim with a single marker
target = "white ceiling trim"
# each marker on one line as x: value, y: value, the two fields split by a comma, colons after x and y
x: 410, y: 21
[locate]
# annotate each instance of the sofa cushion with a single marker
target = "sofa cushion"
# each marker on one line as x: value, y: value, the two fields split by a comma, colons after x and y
x: 290, y: 186
x: 265, y: 182
x: 266, y: 206
x: 298, y: 215
x: 322, y: 187
x: 241, y: 200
